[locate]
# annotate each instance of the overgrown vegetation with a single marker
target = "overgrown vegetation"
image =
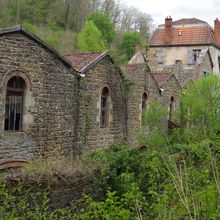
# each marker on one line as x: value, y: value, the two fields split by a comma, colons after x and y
x: 175, y: 176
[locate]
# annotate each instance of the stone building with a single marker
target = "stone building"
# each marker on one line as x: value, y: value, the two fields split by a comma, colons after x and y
x: 52, y: 104
x: 102, y: 104
x: 184, y: 43
x: 36, y: 108
x: 142, y: 90
x: 170, y: 90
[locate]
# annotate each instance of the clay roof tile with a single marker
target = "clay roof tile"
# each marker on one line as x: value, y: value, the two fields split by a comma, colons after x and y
x: 184, y: 32
x: 81, y: 60
x: 161, y: 77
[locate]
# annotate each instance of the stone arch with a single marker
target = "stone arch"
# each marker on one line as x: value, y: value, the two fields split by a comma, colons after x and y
x: 19, y: 73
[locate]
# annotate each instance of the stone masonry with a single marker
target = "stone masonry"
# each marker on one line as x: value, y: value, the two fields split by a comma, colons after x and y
x: 48, y: 123
x: 91, y: 135
x: 62, y: 99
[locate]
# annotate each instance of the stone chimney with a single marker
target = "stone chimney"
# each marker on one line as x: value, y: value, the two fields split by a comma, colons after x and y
x: 137, y: 48
x: 217, y: 32
x: 168, y: 30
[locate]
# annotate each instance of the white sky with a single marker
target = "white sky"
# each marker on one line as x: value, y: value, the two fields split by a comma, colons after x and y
x: 206, y: 10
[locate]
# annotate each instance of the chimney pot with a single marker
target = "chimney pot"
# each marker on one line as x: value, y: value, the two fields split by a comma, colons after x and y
x: 217, y: 31
x: 168, y: 30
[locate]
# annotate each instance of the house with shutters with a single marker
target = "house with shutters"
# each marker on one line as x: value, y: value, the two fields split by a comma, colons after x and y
x: 189, y: 47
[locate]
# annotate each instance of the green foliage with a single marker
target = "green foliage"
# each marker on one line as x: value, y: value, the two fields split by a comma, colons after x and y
x: 181, y: 182
x: 201, y: 116
x: 113, y: 207
x: 22, y: 201
x: 104, y: 24
x: 90, y: 39
x: 31, y: 28
x: 118, y: 57
x: 51, y: 41
x: 128, y: 43
x: 154, y: 119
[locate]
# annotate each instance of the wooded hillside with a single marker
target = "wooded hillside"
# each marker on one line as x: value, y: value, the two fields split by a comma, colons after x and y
x: 58, y: 22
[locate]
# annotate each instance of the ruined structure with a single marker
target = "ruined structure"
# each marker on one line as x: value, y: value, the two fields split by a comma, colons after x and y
x: 102, y: 107
x: 52, y: 104
x: 36, y: 111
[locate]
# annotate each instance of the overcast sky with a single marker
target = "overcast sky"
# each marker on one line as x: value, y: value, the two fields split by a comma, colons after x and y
x: 206, y: 10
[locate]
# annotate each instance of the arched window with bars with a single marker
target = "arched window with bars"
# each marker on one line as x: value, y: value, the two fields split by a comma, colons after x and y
x: 105, y: 107
x: 15, y: 91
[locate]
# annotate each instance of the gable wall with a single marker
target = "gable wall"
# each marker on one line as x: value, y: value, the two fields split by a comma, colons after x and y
x: 141, y: 81
x: 91, y: 135
x: 50, y: 120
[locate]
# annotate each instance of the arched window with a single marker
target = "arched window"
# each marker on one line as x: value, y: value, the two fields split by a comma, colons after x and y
x: 14, y: 103
x: 105, y: 107
x: 171, y: 107
x: 144, y: 101
x: 144, y: 105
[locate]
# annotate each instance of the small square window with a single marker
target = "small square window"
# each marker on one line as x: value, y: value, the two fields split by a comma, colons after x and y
x: 178, y: 62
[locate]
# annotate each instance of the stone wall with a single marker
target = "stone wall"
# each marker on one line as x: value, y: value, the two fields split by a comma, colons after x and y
x: 49, y: 119
x: 141, y: 81
x: 91, y: 135
x: 206, y: 66
x: 171, y: 89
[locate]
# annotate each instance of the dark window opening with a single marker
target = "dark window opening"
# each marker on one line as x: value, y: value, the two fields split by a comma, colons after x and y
x: 178, y: 62
x: 14, y: 104
x: 219, y: 63
x: 144, y: 101
x: 104, y: 116
x: 144, y: 106
x: 196, y: 54
x: 171, y: 107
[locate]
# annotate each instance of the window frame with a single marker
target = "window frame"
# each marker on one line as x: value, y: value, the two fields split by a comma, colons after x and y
x: 105, y: 107
x: 195, y: 55
x: 144, y: 105
x: 26, y: 114
x: 13, y: 94
x: 171, y: 107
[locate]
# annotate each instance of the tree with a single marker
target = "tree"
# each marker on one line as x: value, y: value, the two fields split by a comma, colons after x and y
x: 201, y: 116
x: 128, y: 43
x: 90, y: 39
x: 104, y: 24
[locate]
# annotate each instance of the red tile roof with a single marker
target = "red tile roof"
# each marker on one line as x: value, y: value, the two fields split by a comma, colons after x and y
x: 134, y: 68
x: 184, y: 32
x: 161, y: 77
x: 187, y: 21
x: 81, y: 60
